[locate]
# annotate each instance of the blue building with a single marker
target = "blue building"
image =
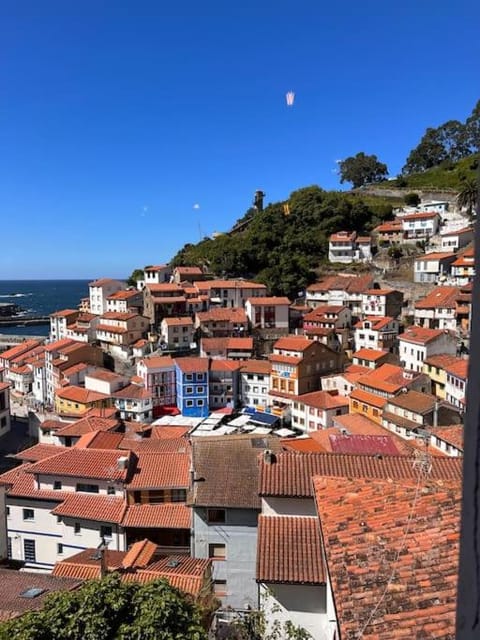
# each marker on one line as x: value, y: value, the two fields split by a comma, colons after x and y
x: 192, y: 386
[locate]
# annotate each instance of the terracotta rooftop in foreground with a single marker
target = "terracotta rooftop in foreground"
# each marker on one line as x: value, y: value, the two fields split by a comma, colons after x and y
x: 392, y: 549
x: 289, y: 550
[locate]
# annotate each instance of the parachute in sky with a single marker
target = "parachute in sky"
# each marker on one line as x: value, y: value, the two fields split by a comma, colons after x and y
x: 290, y: 97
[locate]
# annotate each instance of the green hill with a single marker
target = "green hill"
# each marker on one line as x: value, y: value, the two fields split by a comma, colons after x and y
x: 282, y: 249
x: 448, y: 175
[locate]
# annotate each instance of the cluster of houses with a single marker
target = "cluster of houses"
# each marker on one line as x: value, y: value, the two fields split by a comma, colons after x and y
x: 248, y: 454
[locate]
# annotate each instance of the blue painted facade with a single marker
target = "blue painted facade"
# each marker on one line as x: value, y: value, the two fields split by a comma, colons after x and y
x: 192, y: 390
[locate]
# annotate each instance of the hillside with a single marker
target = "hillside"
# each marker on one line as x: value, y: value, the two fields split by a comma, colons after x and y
x: 448, y: 175
x: 283, y: 248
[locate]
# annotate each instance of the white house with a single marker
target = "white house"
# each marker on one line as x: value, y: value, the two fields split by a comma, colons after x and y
x: 118, y: 331
x: 432, y: 267
x: 156, y: 274
x: 454, y: 240
x: 255, y: 383
x: 230, y: 293
x: 347, y: 247
x: 420, y: 226
x: 176, y: 333
x: 382, y: 302
x: 417, y: 344
x: 59, y: 322
x: 268, y: 312
x: 345, y: 291
x: 100, y: 290
x: 376, y: 332
x: 437, y: 310
x: 125, y: 301
x: 456, y: 385
x: 134, y: 403
x: 316, y: 410
x: 463, y: 269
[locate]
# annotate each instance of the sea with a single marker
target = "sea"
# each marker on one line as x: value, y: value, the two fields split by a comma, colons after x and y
x: 40, y: 298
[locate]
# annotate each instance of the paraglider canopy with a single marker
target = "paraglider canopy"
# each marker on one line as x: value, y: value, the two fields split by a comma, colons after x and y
x: 290, y: 97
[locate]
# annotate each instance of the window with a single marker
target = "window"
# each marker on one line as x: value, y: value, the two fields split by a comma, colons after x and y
x: 77, y: 528
x: 200, y: 389
x: 179, y: 495
x: 215, y: 516
x: 189, y: 377
x: 189, y: 403
x: 220, y: 587
x: 59, y: 549
x: 216, y: 551
x: 9, y: 548
x: 200, y: 403
x: 111, y: 491
x: 105, y: 531
x: 29, y: 554
x: 87, y: 488
x: 57, y: 485
x: 59, y: 519
x: 200, y: 377
x: 188, y: 389
x: 8, y: 511
x: 28, y: 514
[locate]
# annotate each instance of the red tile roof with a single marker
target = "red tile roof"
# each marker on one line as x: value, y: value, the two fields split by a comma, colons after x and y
x: 392, y: 549
x: 100, y: 464
x: 39, y: 452
x: 220, y: 314
x: 191, y: 575
x: 420, y: 335
x: 364, y: 445
x: 133, y: 391
x: 100, y: 508
x: 178, y: 322
x: 441, y: 297
x: 459, y: 369
x: 19, y: 349
x: 351, y: 284
x: 161, y: 432
x: 224, y: 365
x: 435, y: 255
x: 342, y: 236
x: 228, y: 284
x: 80, y: 395
x: 368, y: 398
x: 102, y: 282
x: 271, y: 301
x: 87, y: 425
x: 369, y: 354
x: 419, y: 216
x: 124, y: 295
x: 168, y: 515
x: 154, y: 445
x: 289, y: 550
x: 291, y: 474
x: 192, y: 364
x: 388, y: 378
x: 293, y: 343
x: 377, y: 322
x: 322, y: 400
x: 452, y: 434
x: 158, y: 362
x: 262, y: 367
x: 458, y: 232
x: 161, y: 470
x: 99, y: 440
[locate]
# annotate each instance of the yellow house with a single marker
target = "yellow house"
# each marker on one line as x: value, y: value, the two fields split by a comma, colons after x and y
x: 434, y: 368
x: 76, y: 401
x: 367, y: 404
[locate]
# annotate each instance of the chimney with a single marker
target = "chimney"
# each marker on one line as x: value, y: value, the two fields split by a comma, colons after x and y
x: 269, y: 457
x: 122, y: 463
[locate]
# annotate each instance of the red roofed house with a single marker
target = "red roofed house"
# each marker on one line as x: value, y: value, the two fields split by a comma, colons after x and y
x: 456, y: 386
x: 297, y: 366
x: 382, y: 302
x: 117, y: 332
x: 345, y: 291
x: 437, y: 310
x: 222, y: 322
x: 376, y: 332
x: 255, y: 383
x: 371, y: 358
x: 347, y: 247
x: 22, y: 349
x: 83, y: 329
x: 158, y: 375
x: 230, y: 293
x: 163, y: 300
x: 156, y: 274
x: 316, y: 410
x: 99, y: 292
x: 268, y: 313
x: 390, y: 232
x: 59, y: 322
x: 417, y: 344
x: 226, y: 348
x: 454, y: 240
x: 328, y: 317
x: 129, y: 301
x: 463, y: 269
x: 187, y: 274
x: 432, y: 267
x: 176, y: 333
x: 77, y: 401
x: 134, y: 403
x: 420, y: 226
x: 223, y: 383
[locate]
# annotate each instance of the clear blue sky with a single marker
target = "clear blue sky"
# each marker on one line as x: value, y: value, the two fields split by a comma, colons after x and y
x: 117, y: 117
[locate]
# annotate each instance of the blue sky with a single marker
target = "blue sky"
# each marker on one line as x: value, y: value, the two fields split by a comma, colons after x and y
x: 117, y: 117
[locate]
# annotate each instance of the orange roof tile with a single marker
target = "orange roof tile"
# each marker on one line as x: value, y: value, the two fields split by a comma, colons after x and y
x: 435, y: 255
x: 102, y: 282
x: 452, y: 434
x: 458, y: 369
x: 441, y: 297
x: 65, y: 313
x: 377, y: 323
x: 369, y: 354
x: 87, y: 424
x: 351, y: 284
x: 158, y: 362
x: 140, y: 554
x: 39, y: 452
x: 99, y: 440
x: 419, y: 216
x: 228, y: 284
x: 101, y: 464
x: 368, y: 398
x: 177, y: 322
x: 133, y: 391
x: 221, y: 314
x: 393, y: 550
x: 289, y: 550
x: 322, y: 400
x: 161, y: 470
x: 271, y: 301
x: 292, y: 343
x: 156, y: 445
x: 168, y: 515
x: 167, y: 432
x: 19, y: 349
x: 101, y: 508
x: 189, y: 575
x: 262, y: 367
x: 192, y: 364
x: 420, y: 335
x: 80, y: 395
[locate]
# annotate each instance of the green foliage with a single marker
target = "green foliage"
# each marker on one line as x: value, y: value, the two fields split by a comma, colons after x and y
x: 468, y: 196
x: 257, y: 625
x: 109, y: 609
x: 283, y: 251
x: 137, y: 274
x: 362, y: 169
x: 412, y: 199
x: 439, y: 177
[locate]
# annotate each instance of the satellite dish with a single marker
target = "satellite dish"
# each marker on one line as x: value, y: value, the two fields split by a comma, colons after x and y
x: 290, y: 97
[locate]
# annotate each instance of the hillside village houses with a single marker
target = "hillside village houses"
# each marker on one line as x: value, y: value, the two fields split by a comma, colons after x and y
x: 247, y: 424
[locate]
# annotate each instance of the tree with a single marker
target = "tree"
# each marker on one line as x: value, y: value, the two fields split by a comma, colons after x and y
x: 362, y: 169
x: 109, y: 609
x: 137, y: 274
x: 412, y: 199
x: 472, y: 126
x: 429, y: 153
x: 468, y: 197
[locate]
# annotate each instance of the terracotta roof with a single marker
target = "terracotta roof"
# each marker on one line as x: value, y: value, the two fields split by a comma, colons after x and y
x: 192, y: 364
x: 124, y: 295
x: 100, y: 508
x: 289, y: 550
x: 13, y: 583
x: 84, y: 463
x: 229, y: 466
x: 459, y: 369
x: 262, y: 367
x: 102, y: 282
x: 168, y: 432
x: 168, y: 515
x: 452, y: 434
x: 240, y: 343
x: 351, y: 284
x: 274, y: 357
x: 388, y: 378
x: 140, y: 554
x: 133, y: 391
x: 159, y: 300
x: 105, y: 375
x: 85, y: 565
x: 387, y: 227
x: 414, y: 401
x: 19, y: 349
x: 177, y: 322
x: 269, y: 301
x: 341, y: 236
x: 158, y: 362
x: 101, y: 412
x: 39, y: 452
x: 435, y: 255
x: 291, y: 474
x: 377, y: 323
x: 441, y: 297
x: 393, y: 550
x: 292, y: 343
x: 64, y: 313
x: 189, y: 271
x: 99, y: 440
x: 156, y: 267
x: 110, y: 328
x: 228, y: 284
x: 368, y: 398
x: 22, y: 484
x: 58, y: 345
x: 322, y: 400
x: 364, y: 445
x: 160, y: 470
x: 457, y: 232
x: 189, y: 575
x: 419, y: 216
x: 53, y: 425
x: 87, y: 425
x: 379, y: 292
x: 224, y: 365
x: 79, y: 394
x: 440, y: 360
x: 221, y: 314
x: 154, y: 445
x: 420, y: 335
x: 224, y: 344
x: 369, y: 354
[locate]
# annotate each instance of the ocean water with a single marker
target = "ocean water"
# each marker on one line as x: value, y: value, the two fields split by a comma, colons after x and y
x: 40, y: 298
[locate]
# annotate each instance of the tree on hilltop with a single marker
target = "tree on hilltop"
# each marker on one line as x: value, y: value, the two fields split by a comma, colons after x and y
x: 362, y: 169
